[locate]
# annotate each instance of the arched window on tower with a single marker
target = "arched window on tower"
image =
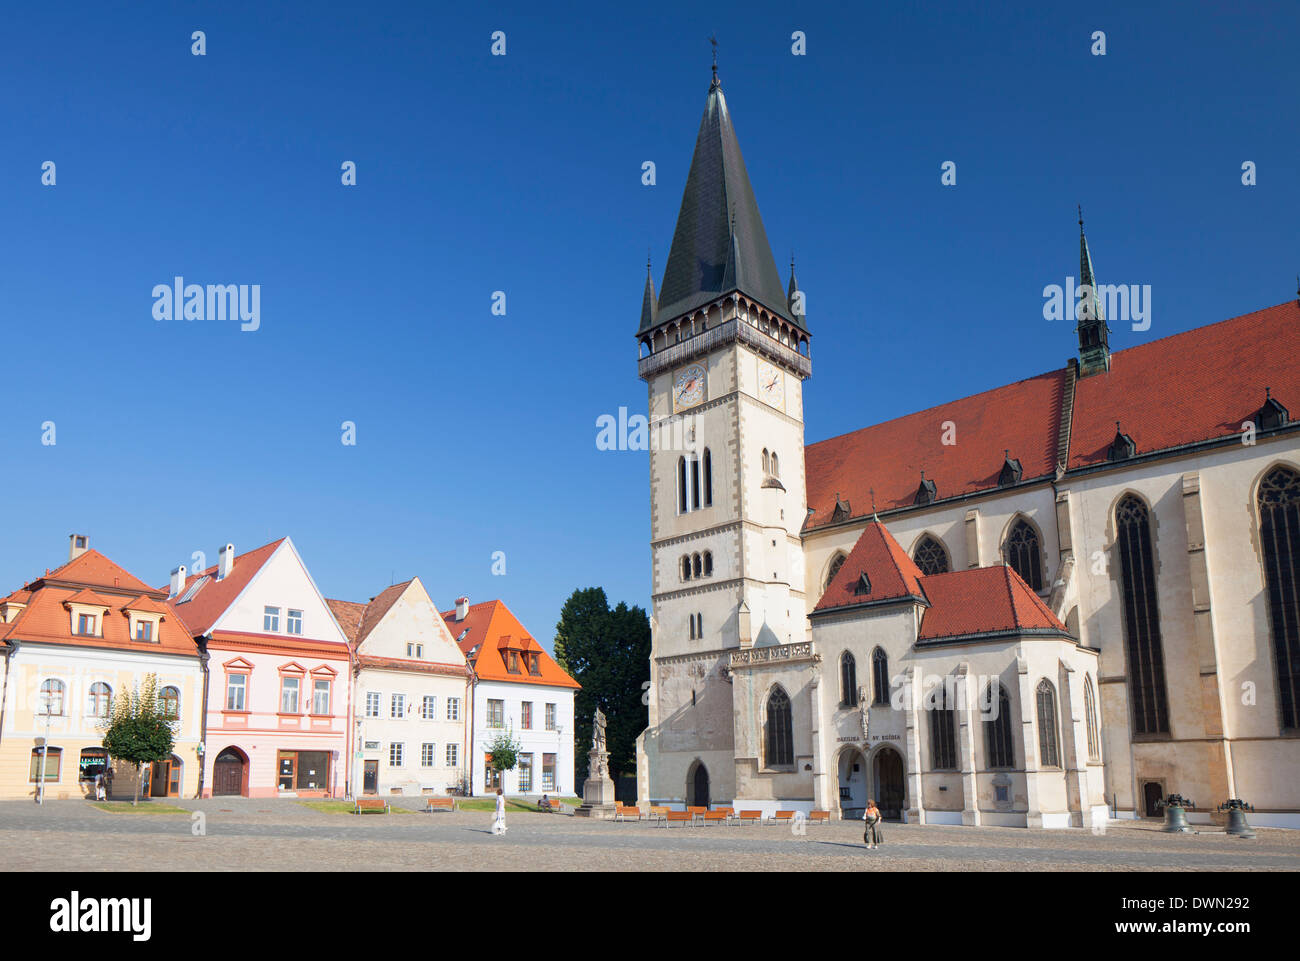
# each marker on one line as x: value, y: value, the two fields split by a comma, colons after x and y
x: 943, y: 738
x: 696, y: 567
x: 1048, y: 755
x: 880, y: 676
x: 930, y: 556
x: 686, y: 567
x: 848, y: 680
x: 1023, y: 554
x: 708, y: 563
x: 836, y: 563
x: 779, y: 734
x: 767, y: 463
x: 1279, y: 516
x: 1146, y: 661
x: 708, y: 478
x: 776, y: 465
x: 1090, y: 713
x: 681, y: 485
x: 998, y: 745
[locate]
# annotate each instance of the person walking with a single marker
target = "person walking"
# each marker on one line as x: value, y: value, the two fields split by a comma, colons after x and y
x: 873, y: 836
x: 499, y: 821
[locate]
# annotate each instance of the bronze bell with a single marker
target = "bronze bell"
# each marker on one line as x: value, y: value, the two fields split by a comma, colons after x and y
x: 1237, y: 823
x: 1176, y: 814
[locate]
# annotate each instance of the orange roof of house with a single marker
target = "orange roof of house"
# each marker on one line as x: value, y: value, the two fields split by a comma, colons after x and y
x: 203, y: 609
x: 409, y: 664
x: 485, y: 627
x: 92, y: 578
x: 958, y: 604
x: 349, y: 615
x: 1199, y: 385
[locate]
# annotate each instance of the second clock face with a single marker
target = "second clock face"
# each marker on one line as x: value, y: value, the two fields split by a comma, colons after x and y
x: 771, y: 384
x: 688, y: 388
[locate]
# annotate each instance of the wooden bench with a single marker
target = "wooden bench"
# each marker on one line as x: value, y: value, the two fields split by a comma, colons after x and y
x: 370, y: 804
x: 715, y: 817
x: 657, y: 813
x: 819, y: 816
x: 749, y: 816
x: 678, y: 817
x: 439, y: 804
x: 780, y: 817
x: 696, y: 810
x: 626, y: 813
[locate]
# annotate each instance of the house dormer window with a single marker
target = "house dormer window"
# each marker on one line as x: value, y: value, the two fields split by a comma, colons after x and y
x: 87, y: 625
x: 534, y: 665
x: 512, y: 659
x: 143, y: 631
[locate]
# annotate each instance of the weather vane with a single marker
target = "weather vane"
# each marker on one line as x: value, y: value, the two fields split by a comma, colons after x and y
x: 713, y: 39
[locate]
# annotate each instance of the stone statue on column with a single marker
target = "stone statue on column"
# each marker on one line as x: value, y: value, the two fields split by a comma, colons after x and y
x: 598, y: 790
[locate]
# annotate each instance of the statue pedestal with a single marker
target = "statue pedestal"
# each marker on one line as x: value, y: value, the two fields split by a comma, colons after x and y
x: 598, y: 790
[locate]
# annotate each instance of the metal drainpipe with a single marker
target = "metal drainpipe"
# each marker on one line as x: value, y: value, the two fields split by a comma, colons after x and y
x: 471, y: 683
x: 203, y: 718
x: 10, y: 650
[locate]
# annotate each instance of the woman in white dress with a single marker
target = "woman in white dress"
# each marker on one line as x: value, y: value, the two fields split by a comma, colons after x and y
x: 499, y: 821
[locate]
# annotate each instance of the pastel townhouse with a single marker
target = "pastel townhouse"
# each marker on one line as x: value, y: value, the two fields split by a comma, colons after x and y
x: 516, y: 687
x: 278, y: 712
x: 411, y: 690
x: 73, y: 640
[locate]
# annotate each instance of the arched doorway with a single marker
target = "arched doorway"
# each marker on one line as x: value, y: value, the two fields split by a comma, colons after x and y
x: 852, y: 783
x: 230, y: 773
x: 1152, y: 793
x: 890, y: 796
x: 697, y: 786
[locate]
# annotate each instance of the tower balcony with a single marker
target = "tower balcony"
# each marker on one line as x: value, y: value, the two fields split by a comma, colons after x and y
x: 672, y: 356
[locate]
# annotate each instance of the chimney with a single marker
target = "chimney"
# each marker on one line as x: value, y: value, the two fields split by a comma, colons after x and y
x: 78, y: 544
x: 226, y: 562
x: 462, y: 608
x: 178, y: 581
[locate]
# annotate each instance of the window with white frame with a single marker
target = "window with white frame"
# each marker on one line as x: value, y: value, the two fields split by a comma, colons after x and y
x: 428, y: 751
x: 270, y: 619
x: 320, y: 699
x: 52, y: 696
x: 289, y: 687
x: 373, y: 700
x: 525, y: 773
x: 526, y: 715
x: 100, y: 696
x: 236, y: 691
x: 415, y: 650
x: 293, y: 623
x: 144, y: 630
x: 453, y: 755
x: 453, y: 709
x: 86, y: 624
x: 548, y: 772
x: 429, y: 708
x: 397, y: 707
x: 550, y: 717
x: 395, y: 752
x: 496, y: 713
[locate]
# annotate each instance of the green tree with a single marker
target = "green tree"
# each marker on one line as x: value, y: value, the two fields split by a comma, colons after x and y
x: 608, y: 653
x: 138, y: 730
x: 504, y: 750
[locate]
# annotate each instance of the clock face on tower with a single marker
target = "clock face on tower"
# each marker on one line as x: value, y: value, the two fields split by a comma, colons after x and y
x: 771, y: 385
x: 688, y: 387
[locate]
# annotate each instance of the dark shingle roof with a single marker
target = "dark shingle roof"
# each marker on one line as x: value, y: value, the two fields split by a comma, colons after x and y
x: 704, y: 263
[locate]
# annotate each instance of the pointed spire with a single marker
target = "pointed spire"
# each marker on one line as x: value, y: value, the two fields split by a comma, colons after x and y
x: 1086, y: 275
x: 719, y: 244
x: 1094, y: 340
x: 649, y: 304
x: 802, y: 312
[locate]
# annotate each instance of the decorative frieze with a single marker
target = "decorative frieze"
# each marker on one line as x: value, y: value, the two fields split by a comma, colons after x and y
x: 781, y: 654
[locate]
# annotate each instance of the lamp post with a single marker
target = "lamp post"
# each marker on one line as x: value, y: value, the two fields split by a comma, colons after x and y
x: 45, y: 750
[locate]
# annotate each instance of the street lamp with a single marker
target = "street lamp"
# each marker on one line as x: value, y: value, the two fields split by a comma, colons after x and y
x: 45, y: 749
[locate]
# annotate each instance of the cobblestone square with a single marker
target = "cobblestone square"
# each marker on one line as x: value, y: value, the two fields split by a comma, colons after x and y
x: 282, y: 835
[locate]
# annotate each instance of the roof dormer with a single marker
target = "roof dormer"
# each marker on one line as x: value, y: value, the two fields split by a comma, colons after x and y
x: 926, y: 491
x: 1122, y: 447
x: 864, y: 584
x: 1272, y: 414
x: 1011, y: 471
x: 841, y: 508
x: 87, y: 610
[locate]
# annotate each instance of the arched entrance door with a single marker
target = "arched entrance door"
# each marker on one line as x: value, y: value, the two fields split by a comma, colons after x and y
x: 229, y: 773
x: 853, y: 783
x: 697, y: 787
x: 890, y: 794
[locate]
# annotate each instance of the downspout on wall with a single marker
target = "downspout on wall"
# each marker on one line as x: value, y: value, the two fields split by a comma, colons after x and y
x: 203, y: 718
x: 11, y: 648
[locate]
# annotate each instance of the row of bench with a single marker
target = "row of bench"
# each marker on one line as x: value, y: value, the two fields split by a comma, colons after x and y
x: 379, y: 804
x: 720, y: 815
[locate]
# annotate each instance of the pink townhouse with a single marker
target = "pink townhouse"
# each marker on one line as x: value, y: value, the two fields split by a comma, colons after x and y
x: 277, y: 720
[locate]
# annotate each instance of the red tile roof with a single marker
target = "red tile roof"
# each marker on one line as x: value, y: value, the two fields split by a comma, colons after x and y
x: 213, y: 598
x: 1193, y: 386
x: 888, y: 458
x: 349, y: 615
x: 408, y: 664
x: 984, y: 600
x: 892, y: 573
x: 92, y: 567
x: 485, y: 627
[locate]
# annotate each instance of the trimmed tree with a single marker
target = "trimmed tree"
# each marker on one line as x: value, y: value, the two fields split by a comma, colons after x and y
x: 138, y: 730
x: 608, y: 653
x: 504, y: 751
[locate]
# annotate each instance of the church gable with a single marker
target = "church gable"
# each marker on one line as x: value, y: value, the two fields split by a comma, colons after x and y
x: 876, y: 570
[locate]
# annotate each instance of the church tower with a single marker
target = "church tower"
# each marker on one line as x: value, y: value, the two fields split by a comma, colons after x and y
x: 724, y: 351
x: 1094, y: 339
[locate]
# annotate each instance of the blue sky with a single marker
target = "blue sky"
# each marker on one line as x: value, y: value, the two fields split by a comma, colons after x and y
x: 476, y: 433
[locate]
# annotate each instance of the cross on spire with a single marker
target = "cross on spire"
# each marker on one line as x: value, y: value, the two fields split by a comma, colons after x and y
x: 713, y: 39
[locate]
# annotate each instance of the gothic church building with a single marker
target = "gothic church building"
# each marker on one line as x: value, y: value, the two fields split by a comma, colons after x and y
x: 1090, y: 602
